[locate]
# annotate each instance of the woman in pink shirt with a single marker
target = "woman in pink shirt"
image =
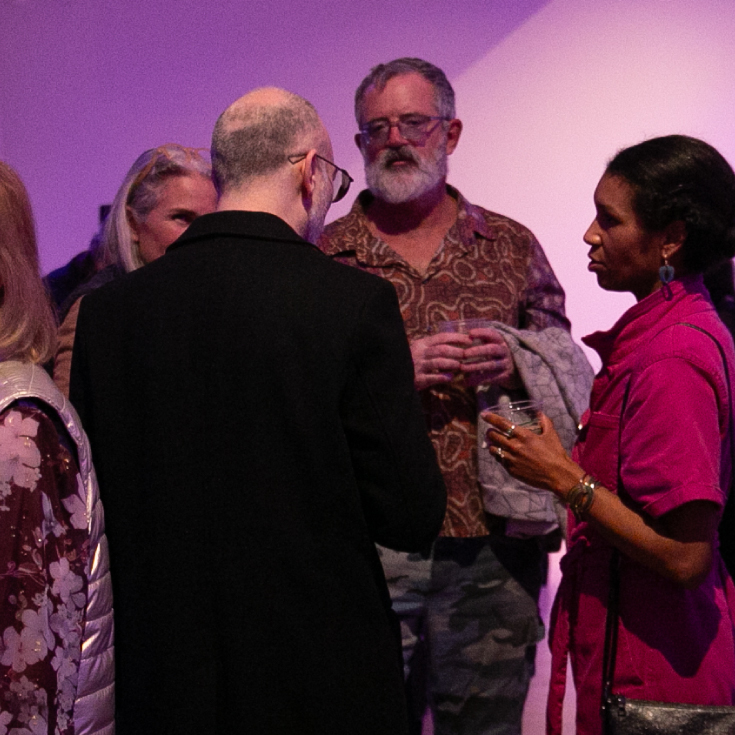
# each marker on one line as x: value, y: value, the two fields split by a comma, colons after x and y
x: 650, y: 473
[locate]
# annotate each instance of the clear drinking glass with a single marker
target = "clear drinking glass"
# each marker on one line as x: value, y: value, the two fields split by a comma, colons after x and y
x: 463, y: 326
x: 524, y: 414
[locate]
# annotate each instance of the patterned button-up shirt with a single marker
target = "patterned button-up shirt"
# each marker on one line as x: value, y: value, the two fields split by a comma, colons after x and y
x: 488, y: 267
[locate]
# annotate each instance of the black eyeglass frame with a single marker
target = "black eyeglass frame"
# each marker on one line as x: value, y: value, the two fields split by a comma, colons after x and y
x: 377, y: 139
x: 344, y: 185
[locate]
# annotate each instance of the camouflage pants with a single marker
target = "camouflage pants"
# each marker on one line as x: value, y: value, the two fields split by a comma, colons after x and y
x: 469, y: 619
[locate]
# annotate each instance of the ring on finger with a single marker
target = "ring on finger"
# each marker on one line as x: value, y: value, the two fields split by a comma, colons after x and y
x: 500, y: 453
x: 510, y: 432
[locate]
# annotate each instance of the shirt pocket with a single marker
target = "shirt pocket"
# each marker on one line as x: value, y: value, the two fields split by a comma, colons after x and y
x: 598, y: 447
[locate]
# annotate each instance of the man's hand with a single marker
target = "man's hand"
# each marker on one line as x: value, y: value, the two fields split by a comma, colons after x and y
x: 491, y: 361
x: 437, y: 358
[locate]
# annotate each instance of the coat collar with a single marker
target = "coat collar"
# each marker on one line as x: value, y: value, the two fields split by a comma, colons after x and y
x: 239, y: 224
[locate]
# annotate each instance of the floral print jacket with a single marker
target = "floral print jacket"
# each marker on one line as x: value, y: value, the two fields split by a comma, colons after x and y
x: 45, y: 557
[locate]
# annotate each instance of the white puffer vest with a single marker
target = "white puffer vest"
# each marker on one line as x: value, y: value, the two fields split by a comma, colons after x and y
x: 94, y: 709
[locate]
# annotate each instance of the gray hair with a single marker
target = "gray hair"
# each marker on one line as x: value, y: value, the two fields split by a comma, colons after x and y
x: 253, y: 139
x: 140, y: 191
x: 380, y: 75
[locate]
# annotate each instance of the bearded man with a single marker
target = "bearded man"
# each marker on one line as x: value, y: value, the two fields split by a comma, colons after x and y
x: 469, y: 603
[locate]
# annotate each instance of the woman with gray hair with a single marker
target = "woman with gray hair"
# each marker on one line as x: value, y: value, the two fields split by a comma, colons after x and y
x: 164, y: 191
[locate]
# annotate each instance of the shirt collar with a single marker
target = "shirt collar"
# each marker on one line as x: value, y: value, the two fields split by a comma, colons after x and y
x: 636, y: 323
x: 470, y: 221
x: 370, y: 250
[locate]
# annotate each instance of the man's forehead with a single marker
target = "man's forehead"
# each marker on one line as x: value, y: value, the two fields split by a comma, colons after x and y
x: 401, y: 94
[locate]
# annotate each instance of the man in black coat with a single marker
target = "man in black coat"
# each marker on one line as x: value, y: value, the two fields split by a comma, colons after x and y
x: 255, y: 430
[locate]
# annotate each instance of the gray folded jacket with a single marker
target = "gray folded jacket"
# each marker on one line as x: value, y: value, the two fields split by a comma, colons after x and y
x: 554, y: 371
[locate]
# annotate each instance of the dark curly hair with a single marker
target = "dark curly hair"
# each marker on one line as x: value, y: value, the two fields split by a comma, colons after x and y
x: 676, y: 177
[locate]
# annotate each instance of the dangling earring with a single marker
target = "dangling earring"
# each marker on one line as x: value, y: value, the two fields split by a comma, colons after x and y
x: 666, y: 272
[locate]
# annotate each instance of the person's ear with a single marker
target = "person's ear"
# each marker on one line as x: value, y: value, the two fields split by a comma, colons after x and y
x: 359, y: 142
x: 132, y: 223
x: 453, y: 132
x: 308, y: 170
x: 675, y: 233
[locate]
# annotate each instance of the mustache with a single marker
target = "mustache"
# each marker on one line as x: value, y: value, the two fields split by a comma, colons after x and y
x: 391, y: 155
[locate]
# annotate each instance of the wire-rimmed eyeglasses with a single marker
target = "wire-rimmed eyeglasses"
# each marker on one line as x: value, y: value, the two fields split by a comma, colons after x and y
x: 412, y: 127
x: 345, y: 181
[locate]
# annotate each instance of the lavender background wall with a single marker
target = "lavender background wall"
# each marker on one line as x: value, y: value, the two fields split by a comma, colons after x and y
x: 547, y: 89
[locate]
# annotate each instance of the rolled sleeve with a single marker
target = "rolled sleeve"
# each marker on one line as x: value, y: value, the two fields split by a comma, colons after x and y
x: 671, y: 440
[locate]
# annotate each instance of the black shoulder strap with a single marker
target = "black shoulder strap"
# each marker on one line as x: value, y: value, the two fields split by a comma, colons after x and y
x: 613, y: 597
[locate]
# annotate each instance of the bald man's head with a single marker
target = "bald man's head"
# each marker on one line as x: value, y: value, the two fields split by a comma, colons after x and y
x: 255, y: 134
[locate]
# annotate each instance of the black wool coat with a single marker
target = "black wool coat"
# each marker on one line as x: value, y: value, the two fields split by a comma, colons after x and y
x: 255, y: 429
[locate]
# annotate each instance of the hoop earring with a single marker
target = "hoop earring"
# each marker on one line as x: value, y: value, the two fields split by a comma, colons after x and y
x: 666, y: 272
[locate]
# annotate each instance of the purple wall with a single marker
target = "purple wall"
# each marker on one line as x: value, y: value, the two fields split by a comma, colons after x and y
x: 87, y: 85
x: 547, y: 89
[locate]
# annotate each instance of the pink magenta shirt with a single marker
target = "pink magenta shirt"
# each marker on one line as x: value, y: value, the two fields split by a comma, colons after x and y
x: 675, y: 644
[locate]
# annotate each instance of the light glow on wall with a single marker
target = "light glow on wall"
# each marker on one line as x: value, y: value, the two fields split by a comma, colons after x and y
x: 547, y: 108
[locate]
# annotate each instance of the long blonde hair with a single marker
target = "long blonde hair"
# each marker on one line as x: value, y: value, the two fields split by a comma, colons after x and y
x: 27, y: 325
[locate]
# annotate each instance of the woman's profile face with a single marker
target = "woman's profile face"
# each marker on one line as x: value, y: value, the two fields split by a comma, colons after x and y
x: 623, y: 255
x: 181, y: 199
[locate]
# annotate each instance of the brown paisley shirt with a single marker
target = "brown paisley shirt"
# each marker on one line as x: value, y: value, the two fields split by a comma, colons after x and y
x: 488, y: 267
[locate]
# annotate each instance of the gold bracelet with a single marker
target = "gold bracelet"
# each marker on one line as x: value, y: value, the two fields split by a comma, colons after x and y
x: 574, y: 492
x: 581, y: 496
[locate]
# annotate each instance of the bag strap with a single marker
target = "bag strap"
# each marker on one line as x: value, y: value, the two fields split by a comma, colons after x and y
x: 613, y: 599
x: 613, y: 603
x: 611, y: 629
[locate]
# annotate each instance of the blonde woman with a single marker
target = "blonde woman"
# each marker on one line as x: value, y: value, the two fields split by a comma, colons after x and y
x: 56, y: 632
x: 164, y: 191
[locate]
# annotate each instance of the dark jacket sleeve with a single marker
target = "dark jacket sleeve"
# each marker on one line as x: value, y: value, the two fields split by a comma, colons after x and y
x: 401, y: 486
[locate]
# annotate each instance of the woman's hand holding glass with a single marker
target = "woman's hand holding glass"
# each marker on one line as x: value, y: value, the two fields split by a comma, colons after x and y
x: 539, y: 460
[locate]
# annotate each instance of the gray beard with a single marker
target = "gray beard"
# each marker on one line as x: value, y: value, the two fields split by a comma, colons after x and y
x: 400, y: 186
